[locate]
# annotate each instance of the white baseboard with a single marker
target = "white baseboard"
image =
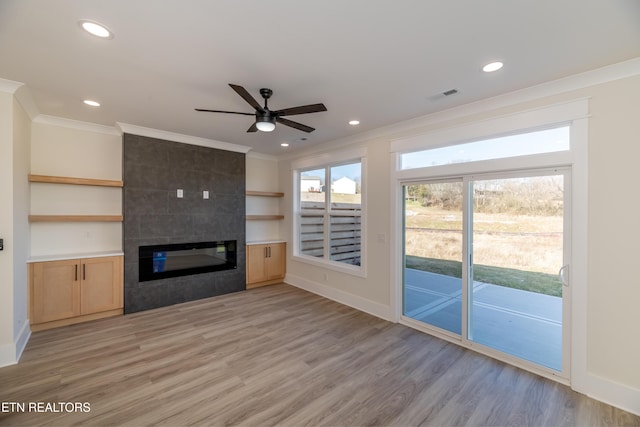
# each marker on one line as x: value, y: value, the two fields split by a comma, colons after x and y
x: 23, y: 339
x: 613, y: 393
x: 10, y: 353
x: 371, y: 307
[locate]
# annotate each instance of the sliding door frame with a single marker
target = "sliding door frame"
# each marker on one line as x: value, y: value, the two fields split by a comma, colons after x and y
x: 575, y: 114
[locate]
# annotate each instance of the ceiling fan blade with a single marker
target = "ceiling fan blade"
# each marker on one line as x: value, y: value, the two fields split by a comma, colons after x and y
x: 303, y: 109
x: 253, y: 128
x: 246, y: 96
x: 295, y: 125
x: 228, y: 112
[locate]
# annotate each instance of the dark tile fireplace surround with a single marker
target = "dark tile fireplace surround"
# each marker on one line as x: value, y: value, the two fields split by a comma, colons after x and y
x: 153, y: 171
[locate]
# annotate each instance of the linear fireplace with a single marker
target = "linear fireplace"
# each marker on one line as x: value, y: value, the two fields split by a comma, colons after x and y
x: 182, y: 259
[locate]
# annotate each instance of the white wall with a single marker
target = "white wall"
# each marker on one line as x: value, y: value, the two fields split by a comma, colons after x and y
x: 66, y: 148
x: 613, y: 232
x: 7, y: 348
x: 21, y: 164
x: 262, y: 175
x: 14, y: 192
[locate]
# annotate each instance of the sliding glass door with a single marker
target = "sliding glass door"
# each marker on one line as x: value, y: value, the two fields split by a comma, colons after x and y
x: 486, y: 260
x: 433, y: 254
x: 517, y: 254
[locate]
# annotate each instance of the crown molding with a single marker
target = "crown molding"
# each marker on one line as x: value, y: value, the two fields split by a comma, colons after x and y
x: 262, y: 156
x: 25, y: 99
x: 9, y: 86
x: 621, y: 70
x: 178, y: 137
x: 76, y: 124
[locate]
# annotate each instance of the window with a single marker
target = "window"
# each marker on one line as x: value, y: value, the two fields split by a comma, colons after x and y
x: 329, y: 215
x: 544, y: 141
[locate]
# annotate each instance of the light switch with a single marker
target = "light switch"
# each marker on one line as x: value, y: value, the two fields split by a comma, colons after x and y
x: 180, y: 193
x: 205, y: 194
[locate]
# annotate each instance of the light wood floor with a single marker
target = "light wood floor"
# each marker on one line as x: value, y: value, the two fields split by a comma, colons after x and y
x: 279, y: 356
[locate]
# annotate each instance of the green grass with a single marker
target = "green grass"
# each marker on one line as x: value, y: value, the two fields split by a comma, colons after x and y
x: 541, y: 283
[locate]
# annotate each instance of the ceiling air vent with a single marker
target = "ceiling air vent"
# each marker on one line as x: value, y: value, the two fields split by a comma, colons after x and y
x: 441, y: 95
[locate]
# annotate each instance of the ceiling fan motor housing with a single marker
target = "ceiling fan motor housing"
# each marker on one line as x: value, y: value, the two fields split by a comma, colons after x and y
x: 266, y: 93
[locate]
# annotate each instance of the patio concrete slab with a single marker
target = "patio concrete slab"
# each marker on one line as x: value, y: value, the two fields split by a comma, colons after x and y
x: 521, y: 323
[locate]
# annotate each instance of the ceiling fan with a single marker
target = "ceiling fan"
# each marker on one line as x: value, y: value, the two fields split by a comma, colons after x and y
x: 265, y: 118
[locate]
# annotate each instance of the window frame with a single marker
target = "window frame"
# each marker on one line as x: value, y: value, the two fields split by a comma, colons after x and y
x: 326, y: 162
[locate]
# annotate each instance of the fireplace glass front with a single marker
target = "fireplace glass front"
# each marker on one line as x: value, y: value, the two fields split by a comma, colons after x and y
x: 182, y: 259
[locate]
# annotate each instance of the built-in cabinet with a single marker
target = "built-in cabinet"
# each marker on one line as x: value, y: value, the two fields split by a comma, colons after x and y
x: 70, y: 291
x: 266, y: 264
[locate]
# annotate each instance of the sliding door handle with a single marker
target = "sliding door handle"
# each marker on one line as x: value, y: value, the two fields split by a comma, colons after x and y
x: 563, y: 274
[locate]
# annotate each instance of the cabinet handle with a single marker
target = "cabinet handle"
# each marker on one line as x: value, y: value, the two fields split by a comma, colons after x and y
x: 76, y: 273
x: 84, y: 272
x: 269, y: 251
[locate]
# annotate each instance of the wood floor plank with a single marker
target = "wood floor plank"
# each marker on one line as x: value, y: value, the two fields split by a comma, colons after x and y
x: 281, y: 356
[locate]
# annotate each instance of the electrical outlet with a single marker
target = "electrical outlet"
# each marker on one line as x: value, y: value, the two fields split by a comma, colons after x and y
x: 205, y: 194
x: 180, y: 193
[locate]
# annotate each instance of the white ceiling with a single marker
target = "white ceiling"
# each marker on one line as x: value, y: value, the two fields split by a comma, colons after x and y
x: 377, y: 61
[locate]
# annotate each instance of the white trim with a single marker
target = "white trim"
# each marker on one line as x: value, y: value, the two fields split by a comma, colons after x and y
x: 605, y: 74
x: 22, y: 340
x: 25, y: 99
x: 76, y: 124
x: 11, y: 353
x: 261, y: 156
x: 613, y: 393
x: 178, y: 137
x: 374, y: 308
x: 9, y: 86
x: 578, y: 273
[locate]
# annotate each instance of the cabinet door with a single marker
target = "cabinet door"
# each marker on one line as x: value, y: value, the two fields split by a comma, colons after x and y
x: 276, y: 261
x: 256, y: 267
x: 55, y: 291
x: 102, y: 284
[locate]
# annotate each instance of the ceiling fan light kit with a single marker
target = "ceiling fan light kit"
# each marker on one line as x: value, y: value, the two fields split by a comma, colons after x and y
x: 265, y: 118
x: 265, y: 124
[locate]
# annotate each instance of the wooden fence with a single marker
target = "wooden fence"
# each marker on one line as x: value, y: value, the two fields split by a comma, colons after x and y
x: 344, y: 227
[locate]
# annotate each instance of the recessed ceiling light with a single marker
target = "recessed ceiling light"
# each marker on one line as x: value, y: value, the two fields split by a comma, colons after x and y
x: 96, y: 29
x: 91, y: 102
x: 284, y: 144
x: 493, y: 66
x: 354, y: 122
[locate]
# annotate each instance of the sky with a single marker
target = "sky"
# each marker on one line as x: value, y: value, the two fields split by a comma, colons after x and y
x: 352, y: 171
x: 545, y: 141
